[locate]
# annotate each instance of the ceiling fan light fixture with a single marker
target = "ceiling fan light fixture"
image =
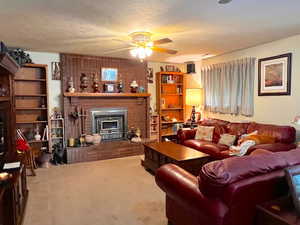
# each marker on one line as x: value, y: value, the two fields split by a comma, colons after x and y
x: 224, y: 1
x: 141, y: 52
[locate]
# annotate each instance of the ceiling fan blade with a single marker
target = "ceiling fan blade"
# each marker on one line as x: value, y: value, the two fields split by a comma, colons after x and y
x: 117, y: 50
x: 164, y: 50
x: 162, y: 41
x: 124, y: 42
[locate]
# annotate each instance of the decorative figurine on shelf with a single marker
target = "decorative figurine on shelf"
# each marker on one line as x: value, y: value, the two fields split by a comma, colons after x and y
x: 141, y: 89
x: 137, y: 137
x: 95, y: 83
x: 3, y: 90
x: 37, y: 135
x: 43, y: 103
x: 84, y: 82
x: 134, y: 86
x: 71, y: 88
x: 57, y: 114
x: 120, y: 86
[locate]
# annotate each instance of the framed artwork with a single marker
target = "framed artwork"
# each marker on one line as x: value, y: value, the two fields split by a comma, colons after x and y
x: 55, y: 68
x: 170, y: 68
x: 274, y: 75
x: 109, y: 74
x: 150, y: 75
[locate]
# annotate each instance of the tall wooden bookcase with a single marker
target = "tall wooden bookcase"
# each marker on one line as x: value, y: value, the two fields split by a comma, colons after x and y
x: 170, y: 94
x: 31, y: 93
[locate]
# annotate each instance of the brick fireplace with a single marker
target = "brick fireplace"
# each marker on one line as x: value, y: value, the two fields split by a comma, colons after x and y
x: 134, y: 107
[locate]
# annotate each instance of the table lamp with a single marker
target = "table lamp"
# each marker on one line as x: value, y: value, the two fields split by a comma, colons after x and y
x: 194, y: 98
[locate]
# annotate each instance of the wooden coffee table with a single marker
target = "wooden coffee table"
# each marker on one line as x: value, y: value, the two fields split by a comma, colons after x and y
x: 158, y: 154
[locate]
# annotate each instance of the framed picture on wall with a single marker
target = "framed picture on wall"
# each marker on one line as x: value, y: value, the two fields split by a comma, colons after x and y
x: 109, y: 74
x: 274, y: 75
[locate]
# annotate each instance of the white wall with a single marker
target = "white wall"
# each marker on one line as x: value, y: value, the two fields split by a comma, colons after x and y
x: 269, y: 109
x: 54, y: 86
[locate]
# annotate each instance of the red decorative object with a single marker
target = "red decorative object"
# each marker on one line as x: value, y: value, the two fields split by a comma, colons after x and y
x: 22, y: 145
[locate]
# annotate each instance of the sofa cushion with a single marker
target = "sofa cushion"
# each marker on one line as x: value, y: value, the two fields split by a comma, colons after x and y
x: 215, y: 175
x: 204, y: 133
x: 283, y: 134
x: 227, y: 139
x: 259, y: 139
x: 207, y: 147
x: 219, y: 125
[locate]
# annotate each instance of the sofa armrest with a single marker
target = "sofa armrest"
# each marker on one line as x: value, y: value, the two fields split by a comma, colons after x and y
x: 183, y: 188
x: 183, y: 135
x: 276, y: 147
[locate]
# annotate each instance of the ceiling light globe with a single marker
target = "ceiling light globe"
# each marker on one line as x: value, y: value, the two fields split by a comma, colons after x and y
x: 133, y: 52
x: 148, y: 51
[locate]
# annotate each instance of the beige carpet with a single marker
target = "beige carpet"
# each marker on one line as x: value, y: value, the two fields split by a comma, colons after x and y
x: 110, y: 192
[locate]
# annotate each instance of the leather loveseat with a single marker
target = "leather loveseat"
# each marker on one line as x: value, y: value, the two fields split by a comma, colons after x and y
x: 226, y: 191
x: 284, y: 137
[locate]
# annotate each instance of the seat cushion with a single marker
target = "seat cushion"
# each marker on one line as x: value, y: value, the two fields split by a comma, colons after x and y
x: 207, y: 147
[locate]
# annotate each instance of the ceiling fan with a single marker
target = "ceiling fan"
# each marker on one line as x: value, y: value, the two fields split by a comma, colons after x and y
x: 141, y: 45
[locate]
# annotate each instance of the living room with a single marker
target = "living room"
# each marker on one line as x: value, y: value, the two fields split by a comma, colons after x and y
x: 164, y: 112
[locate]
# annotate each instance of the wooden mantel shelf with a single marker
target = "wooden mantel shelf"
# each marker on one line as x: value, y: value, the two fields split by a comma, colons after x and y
x: 108, y: 95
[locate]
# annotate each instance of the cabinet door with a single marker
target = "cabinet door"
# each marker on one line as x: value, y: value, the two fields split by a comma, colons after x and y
x: 1, y: 212
x: 4, y: 128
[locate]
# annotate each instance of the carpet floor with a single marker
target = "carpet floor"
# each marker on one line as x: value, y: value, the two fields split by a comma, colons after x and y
x: 109, y: 192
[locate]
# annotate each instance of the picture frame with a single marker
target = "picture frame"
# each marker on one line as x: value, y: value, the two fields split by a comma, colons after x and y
x: 109, y: 88
x: 109, y: 74
x: 274, y: 75
x: 150, y: 76
x: 170, y: 68
x: 292, y: 175
x: 55, y: 68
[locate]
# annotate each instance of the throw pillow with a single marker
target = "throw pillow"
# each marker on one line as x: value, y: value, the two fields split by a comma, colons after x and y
x: 204, y: 133
x: 259, y: 139
x: 227, y: 139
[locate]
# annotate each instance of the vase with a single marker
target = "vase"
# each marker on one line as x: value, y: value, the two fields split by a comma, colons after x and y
x: 89, y: 139
x: 37, y: 136
x: 96, y: 139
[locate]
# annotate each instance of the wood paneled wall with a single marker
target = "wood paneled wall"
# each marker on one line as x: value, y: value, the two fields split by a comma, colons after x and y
x: 128, y: 70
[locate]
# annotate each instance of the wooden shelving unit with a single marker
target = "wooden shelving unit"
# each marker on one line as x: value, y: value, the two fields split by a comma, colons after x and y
x: 154, y: 127
x: 170, y: 94
x: 57, y: 132
x: 31, y: 94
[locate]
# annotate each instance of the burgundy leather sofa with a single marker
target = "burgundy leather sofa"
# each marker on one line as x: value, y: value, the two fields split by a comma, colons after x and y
x: 285, y: 137
x: 226, y: 191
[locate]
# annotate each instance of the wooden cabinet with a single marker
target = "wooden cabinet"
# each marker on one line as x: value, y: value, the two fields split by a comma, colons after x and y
x: 13, y: 198
x: 31, y: 95
x: 170, y: 94
x: 8, y: 67
x: 13, y: 193
x: 277, y: 212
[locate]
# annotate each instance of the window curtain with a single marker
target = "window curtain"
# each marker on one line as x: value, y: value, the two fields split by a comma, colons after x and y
x: 229, y: 87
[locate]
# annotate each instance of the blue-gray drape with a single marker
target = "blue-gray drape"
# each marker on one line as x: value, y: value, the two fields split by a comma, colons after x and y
x: 229, y: 87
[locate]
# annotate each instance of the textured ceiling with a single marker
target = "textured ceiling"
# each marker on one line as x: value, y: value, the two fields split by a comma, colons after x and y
x: 195, y: 26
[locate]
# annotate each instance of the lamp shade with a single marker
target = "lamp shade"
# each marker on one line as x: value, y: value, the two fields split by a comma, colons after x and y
x: 194, y: 96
